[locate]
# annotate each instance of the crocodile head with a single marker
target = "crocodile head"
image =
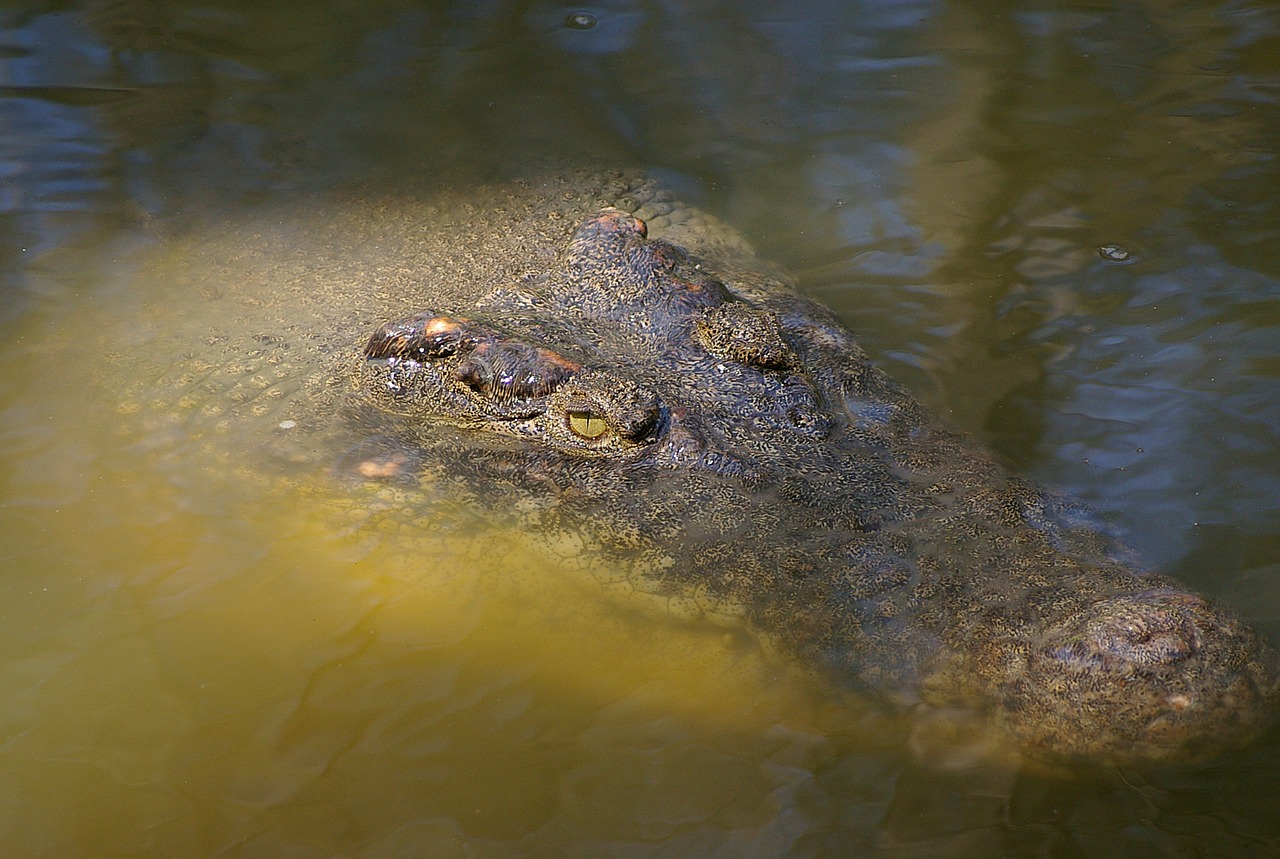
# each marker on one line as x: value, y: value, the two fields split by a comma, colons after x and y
x: 629, y: 352
x: 731, y: 438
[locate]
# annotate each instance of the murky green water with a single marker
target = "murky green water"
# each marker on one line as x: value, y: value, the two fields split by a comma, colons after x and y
x: 1057, y: 223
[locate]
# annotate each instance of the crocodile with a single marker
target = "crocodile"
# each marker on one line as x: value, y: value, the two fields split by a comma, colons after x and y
x: 620, y: 374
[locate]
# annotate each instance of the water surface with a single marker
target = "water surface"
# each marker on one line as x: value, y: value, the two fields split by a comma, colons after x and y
x: 1056, y: 222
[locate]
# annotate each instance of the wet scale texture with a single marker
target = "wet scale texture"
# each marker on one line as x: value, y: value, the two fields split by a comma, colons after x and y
x: 725, y: 444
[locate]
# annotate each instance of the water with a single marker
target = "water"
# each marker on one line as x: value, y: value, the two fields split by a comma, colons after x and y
x: 196, y: 665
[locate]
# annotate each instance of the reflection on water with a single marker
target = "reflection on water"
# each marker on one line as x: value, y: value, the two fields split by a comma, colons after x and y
x: 217, y: 668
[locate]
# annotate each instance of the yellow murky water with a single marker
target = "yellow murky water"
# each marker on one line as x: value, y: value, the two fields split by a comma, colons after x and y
x: 201, y: 666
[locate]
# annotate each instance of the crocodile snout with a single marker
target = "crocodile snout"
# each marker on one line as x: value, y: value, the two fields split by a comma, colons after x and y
x: 1157, y: 674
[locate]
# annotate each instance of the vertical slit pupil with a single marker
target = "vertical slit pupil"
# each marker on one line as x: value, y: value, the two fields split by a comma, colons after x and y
x: 587, y: 424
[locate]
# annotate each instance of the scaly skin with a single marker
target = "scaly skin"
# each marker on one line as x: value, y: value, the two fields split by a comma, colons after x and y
x: 729, y: 437
x: 679, y: 422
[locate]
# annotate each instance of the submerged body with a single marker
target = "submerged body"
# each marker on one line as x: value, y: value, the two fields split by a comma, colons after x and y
x: 700, y: 431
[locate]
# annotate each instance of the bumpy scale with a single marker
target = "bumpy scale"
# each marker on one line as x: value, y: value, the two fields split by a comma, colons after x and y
x: 725, y: 437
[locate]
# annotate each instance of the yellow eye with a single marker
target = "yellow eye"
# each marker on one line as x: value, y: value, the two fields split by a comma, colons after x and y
x: 587, y: 424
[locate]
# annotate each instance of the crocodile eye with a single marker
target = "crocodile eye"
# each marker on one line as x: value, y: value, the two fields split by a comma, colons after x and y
x: 587, y: 425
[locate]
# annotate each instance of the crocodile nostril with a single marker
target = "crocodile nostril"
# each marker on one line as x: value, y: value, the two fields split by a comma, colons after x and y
x: 1161, y: 638
x: 1144, y: 630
